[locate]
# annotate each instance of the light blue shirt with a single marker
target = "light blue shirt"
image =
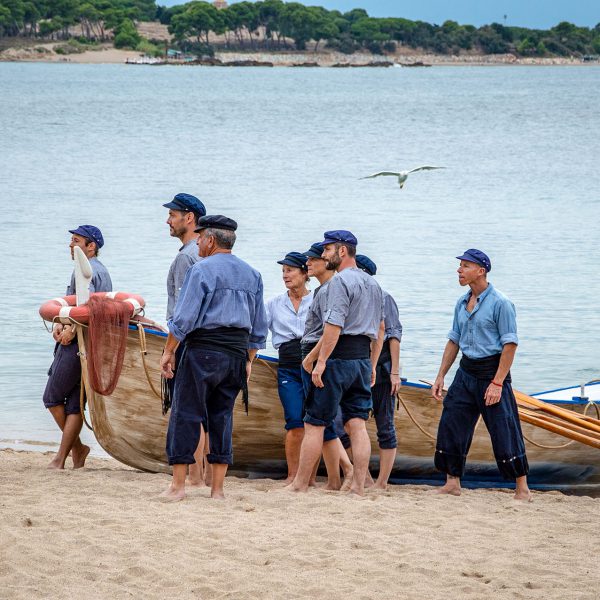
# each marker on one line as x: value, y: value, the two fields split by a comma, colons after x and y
x: 313, y: 328
x: 221, y: 291
x: 284, y: 322
x: 393, y: 327
x: 354, y: 303
x: 186, y: 257
x: 100, y: 282
x: 484, y: 331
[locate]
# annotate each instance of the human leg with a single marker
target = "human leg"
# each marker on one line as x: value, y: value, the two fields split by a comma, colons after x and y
x: 455, y: 430
x: 383, y: 409
x: 312, y: 445
x: 291, y: 388
x: 196, y: 471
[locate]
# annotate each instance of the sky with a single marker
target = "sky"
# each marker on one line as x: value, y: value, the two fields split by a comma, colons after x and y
x: 536, y: 14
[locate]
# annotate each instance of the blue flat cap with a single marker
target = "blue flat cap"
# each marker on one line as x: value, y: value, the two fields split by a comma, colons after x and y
x: 216, y: 222
x: 339, y: 236
x: 186, y: 203
x: 90, y: 232
x: 315, y: 251
x: 366, y: 264
x: 478, y: 257
x: 294, y: 259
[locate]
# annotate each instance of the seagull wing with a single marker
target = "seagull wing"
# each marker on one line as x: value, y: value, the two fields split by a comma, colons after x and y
x: 380, y: 174
x: 424, y: 168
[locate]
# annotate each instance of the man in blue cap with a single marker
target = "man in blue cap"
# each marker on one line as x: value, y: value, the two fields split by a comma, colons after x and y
x: 221, y: 319
x: 185, y: 211
x: 485, y: 330
x: 345, y: 356
x: 387, y: 383
x: 61, y: 396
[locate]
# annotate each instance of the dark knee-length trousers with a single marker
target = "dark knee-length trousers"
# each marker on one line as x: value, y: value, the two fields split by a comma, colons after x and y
x: 462, y: 406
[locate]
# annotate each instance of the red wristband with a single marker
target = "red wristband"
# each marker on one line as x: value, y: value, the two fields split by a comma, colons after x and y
x: 497, y: 384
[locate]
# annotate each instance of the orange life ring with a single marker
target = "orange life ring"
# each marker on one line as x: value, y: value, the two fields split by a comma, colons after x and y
x: 65, y: 309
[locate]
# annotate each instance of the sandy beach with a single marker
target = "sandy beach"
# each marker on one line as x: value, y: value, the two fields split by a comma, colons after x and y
x: 101, y: 532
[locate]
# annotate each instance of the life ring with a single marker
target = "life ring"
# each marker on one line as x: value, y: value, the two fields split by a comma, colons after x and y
x: 65, y: 309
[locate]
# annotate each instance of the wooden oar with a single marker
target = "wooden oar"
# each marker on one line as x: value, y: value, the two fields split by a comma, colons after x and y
x: 544, y: 424
x: 567, y: 415
x: 561, y: 423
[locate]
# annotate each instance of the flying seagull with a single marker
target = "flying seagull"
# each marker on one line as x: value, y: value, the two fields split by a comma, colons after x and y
x: 402, y: 175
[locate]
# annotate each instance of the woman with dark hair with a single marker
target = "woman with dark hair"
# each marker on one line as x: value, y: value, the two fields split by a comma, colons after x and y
x: 286, y: 316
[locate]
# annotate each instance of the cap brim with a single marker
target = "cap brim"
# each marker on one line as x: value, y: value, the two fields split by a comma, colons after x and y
x: 311, y: 254
x: 289, y: 263
x: 174, y: 206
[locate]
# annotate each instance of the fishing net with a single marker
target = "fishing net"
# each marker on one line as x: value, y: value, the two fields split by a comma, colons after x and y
x: 107, y: 340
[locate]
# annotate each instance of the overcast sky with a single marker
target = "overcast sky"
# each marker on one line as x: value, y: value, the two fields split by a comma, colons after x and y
x: 541, y: 14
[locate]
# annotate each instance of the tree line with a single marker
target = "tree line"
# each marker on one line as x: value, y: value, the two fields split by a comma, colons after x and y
x: 274, y: 24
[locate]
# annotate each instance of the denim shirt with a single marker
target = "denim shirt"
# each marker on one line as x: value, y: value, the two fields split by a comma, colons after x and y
x: 100, y: 282
x: 393, y: 327
x: 491, y: 324
x: 221, y: 291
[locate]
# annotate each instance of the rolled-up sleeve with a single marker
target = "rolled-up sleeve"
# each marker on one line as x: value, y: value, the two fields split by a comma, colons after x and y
x: 338, y: 303
x: 454, y: 333
x: 506, y: 320
x: 187, y: 309
x: 258, y: 334
x: 393, y: 327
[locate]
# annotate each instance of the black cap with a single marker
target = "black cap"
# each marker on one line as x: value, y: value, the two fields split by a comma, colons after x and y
x: 366, y: 264
x: 294, y: 259
x: 216, y: 222
x: 315, y: 251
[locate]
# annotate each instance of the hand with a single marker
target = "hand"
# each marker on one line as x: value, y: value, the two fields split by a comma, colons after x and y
x: 437, y: 388
x: 492, y: 394
x: 317, y: 371
x: 396, y: 383
x: 373, y: 376
x: 248, y: 370
x: 67, y: 335
x: 308, y: 364
x: 57, y: 332
x: 167, y: 365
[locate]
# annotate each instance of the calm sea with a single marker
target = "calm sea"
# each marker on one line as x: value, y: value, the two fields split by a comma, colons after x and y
x: 281, y: 151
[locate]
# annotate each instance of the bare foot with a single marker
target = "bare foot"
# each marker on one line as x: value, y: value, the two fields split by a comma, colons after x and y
x: 56, y: 464
x: 449, y: 489
x: 369, y: 480
x: 523, y: 495
x: 357, y: 494
x: 217, y: 495
x: 347, y: 483
x: 193, y: 482
x: 333, y: 486
x: 172, y: 494
x: 295, y: 488
x: 79, y: 457
x: 380, y: 485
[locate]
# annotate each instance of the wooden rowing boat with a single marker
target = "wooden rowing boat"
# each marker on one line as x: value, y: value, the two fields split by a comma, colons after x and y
x: 130, y: 426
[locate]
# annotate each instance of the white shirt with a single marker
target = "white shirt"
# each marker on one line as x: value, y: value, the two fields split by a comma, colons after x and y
x: 283, y: 321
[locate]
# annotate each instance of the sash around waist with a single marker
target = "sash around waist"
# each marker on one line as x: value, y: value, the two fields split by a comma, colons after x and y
x: 350, y: 347
x: 290, y: 354
x: 482, y: 368
x: 231, y: 340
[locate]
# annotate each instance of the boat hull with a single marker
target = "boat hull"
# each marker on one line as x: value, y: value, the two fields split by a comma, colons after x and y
x: 130, y: 426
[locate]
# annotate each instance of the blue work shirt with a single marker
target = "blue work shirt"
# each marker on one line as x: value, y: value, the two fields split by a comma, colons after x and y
x: 186, y: 257
x: 100, y: 282
x: 284, y: 322
x: 393, y: 327
x: 221, y: 291
x: 484, y: 331
x: 313, y: 328
x: 354, y: 303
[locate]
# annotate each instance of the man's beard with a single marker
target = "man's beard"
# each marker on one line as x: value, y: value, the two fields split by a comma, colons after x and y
x: 177, y: 231
x: 334, y: 262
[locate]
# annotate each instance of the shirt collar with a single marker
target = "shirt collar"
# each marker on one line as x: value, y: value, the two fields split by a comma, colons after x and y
x: 187, y: 244
x: 481, y: 297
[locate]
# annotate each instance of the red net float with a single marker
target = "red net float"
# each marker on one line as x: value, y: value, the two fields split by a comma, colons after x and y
x: 65, y: 309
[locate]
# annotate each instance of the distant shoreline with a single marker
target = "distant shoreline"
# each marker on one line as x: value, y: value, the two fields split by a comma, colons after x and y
x: 110, y: 55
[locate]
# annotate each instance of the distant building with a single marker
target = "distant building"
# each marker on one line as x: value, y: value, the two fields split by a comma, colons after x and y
x: 220, y: 4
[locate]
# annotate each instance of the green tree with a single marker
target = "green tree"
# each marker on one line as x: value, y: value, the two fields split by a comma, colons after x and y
x: 126, y: 35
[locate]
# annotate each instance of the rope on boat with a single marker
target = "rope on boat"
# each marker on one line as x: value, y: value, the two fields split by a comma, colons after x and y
x: 143, y: 352
x: 82, y: 356
x: 412, y: 418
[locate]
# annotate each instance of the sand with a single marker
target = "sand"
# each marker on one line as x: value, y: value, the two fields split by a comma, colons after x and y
x: 101, y: 532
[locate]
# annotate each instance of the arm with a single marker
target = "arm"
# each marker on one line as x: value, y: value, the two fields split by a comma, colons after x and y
x: 311, y: 357
x: 259, y: 331
x: 376, y: 346
x: 395, y: 374
x: 494, y: 390
x: 167, y: 361
x: 182, y: 263
x: 251, y: 356
x: 450, y: 353
x: 331, y: 334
